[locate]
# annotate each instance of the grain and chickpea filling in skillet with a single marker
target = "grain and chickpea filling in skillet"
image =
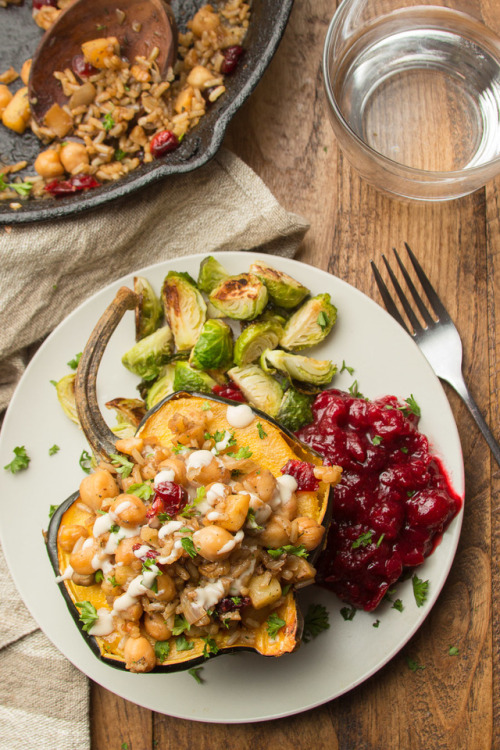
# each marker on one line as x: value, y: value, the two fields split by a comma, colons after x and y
x: 189, y: 534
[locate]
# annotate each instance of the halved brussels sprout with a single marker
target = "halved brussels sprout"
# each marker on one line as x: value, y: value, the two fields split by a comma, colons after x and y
x: 148, y: 313
x: 295, y: 410
x: 186, y: 378
x: 149, y: 355
x: 310, y: 324
x: 211, y: 274
x: 214, y: 348
x: 283, y: 289
x: 297, y: 367
x: 240, y: 297
x: 164, y: 386
x: 259, y: 388
x: 185, y: 309
x: 129, y: 413
x: 65, y: 389
x: 256, y: 338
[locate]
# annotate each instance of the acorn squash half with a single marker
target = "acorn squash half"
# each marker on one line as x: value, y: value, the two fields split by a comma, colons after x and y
x: 271, y: 447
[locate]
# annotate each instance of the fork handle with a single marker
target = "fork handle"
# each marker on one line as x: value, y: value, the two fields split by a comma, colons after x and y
x: 460, y: 387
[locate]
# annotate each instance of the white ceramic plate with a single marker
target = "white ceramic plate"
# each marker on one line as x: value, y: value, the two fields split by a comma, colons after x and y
x: 242, y: 687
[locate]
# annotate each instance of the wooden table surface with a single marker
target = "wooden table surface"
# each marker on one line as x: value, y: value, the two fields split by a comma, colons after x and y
x: 284, y: 134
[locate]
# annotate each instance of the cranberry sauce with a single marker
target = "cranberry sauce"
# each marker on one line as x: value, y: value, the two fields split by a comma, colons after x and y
x: 393, y: 501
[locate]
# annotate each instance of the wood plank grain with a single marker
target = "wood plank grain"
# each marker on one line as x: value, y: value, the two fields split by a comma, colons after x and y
x: 117, y: 724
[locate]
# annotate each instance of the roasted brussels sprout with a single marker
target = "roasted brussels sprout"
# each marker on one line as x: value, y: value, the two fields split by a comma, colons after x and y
x: 129, y: 413
x: 259, y: 388
x: 256, y: 338
x: 148, y: 313
x: 240, y: 297
x: 149, y: 355
x: 185, y: 309
x: 186, y: 378
x: 282, y: 289
x: 295, y: 410
x: 312, y: 322
x: 65, y: 389
x: 297, y: 367
x: 214, y: 348
x: 211, y: 274
x: 164, y: 386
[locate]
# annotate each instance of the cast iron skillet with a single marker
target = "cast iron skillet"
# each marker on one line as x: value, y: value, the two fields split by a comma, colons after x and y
x: 19, y: 37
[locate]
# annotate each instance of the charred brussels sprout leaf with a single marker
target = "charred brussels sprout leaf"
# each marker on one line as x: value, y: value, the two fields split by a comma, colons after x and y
x: 211, y: 274
x: 240, y: 297
x: 129, y: 412
x: 282, y: 288
x: 186, y: 378
x: 149, y: 355
x: 185, y: 309
x: 259, y: 388
x: 148, y: 313
x: 163, y: 387
x: 65, y: 389
x: 256, y: 338
x: 214, y: 348
x: 296, y: 367
x: 310, y: 324
x: 295, y: 410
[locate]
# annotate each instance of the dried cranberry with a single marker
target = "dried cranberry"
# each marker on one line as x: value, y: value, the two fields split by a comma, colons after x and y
x: 231, y: 59
x: 37, y: 4
x: 231, y: 604
x: 81, y: 67
x: 232, y: 392
x: 151, y: 554
x: 163, y: 142
x: 172, y: 495
x: 303, y: 473
x: 60, y: 188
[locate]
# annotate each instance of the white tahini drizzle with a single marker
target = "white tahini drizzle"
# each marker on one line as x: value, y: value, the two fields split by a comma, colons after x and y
x: 286, y: 485
x: 239, y: 416
x: 104, y: 623
x: 66, y: 575
x: 222, y: 444
x: 165, y: 475
x: 231, y: 544
x: 199, y: 459
x: 137, y: 587
x: 169, y: 528
x: 207, y: 596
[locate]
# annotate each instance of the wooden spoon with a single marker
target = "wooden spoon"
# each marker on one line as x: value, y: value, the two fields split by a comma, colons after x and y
x: 139, y: 26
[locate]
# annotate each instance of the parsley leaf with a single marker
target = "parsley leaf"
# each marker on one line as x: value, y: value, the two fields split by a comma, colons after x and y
x: 315, y: 621
x: 162, y: 650
x: 398, y: 604
x: 85, y: 461
x: 112, y: 580
x: 420, y: 590
x: 180, y: 625
x: 210, y: 647
x: 88, y: 614
x: 288, y: 549
x: 190, y: 509
x: 124, y: 466
x: 99, y: 576
x: 195, y: 672
x: 250, y: 522
x: 188, y: 545
x: 53, y: 450
x: 323, y: 320
x: 414, y: 665
x: 22, y: 188
x: 261, y: 431
x: 52, y: 510
x: 354, y: 390
x: 243, y: 452
x: 274, y: 624
x: 108, y: 122
x: 453, y: 651
x: 380, y: 539
x: 376, y: 440
x: 363, y: 540
x: 412, y: 408
x: 143, y: 490
x: 182, y: 644
x: 376, y: 623
x: 348, y: 612
x: 120, y: 154
x: 20, y: 462
x: 73, y: 363
x: 345, y: 367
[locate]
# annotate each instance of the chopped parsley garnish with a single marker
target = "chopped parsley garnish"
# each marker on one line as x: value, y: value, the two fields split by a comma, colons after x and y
x: 162, y: 650
x: 286, y: 589
x: 210, y: 647
x: 124, y: 466
x: 180, y: 625
x: 99, y: 576
x: 236, y: 600
x: 414, y: 665
x: 420, y: 590
x: 323, y: 320
x: 112, y: 580
x: 190, y: 509
x: 206, y: 406
x: 404, y: 449
x: 21, y: 188
x: 20, y: 462
x: 261, y: 431
x: 73, y: 363
x: 354, y: 390
x: 195, y: 672
x: 243, y: 452
x: 53, y: 382
x: 453, y: 651
x: 288, y: 549
x: 380, y: 540
x: 164, y: 517
x: 120, y: 154
x: 348, y: 612
x: 376, y: 440
x: 52, y: 510
x: 274, y: 624
x: 53, y: 450
x: 85, y: 461
x: 412, y: 408
x: 143, y: 490
x: 88, y: 614
x: 217, y: 436
x: 188, y: 545
x: 315, y: 621
x: 108, y: 122
x: 363, y: 540
x: 178, y: 448
x: 345, y: 367
x: 376, y: 623
x: 410, y: 493
x: 182, y: 644
x: 250, y: 522
x: 148, y: 563
x: 398, y: 604
x: 114, y: 528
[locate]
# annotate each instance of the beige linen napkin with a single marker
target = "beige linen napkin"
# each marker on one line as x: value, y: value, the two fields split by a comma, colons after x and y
x: 46, y: 270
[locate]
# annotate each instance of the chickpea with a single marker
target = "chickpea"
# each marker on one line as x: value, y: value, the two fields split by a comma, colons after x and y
x: 166, y: 588
x: 124, y: 552
x: 178, y: 467
x: 276, y: 532
x: 123, y: 574
x: 261, y: 483
x: 81, y: 561
x: 132, y: 613
x: 210, y: 540
x: 130, y: 510
x: 204, y: 20
x: 213, y: 472
x: 25, y: 71
x: 108, y: 589
x: 290, y: 507
x: 156, y: 627
x: 48, y: 164
x: 83, y: 580
x: 69, y: 534
x: 199, y: 76
x: 72, y: 155
x: 328, y: 474
x: 96, y: 487
x: 139, y: 655
x: 5, y: 96
x: 307, y: 532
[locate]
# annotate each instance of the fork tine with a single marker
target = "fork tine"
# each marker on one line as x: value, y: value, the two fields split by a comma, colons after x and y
x: 386, y: 296
x: 417, y: 327
x: 436, y: 303
x: 416, y: 296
